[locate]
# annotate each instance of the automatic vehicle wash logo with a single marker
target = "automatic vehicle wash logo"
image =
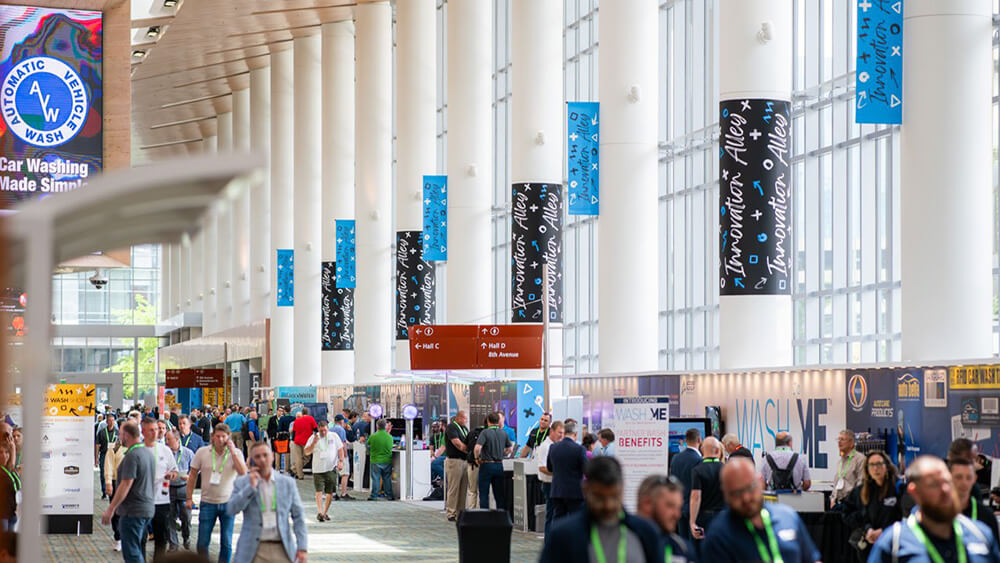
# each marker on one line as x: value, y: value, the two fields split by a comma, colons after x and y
x: 44, y: 101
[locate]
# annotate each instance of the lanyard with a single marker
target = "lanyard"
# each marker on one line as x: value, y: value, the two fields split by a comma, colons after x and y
x: 221, y: 465
x: 188, y: 441
x: 179, y: 452
x: 710, y: 460
x: 775, y: 555
x: 13, y: 478
x: 595, y: 541
x: 975, y: 509
x: 274, y: 499
x: 844, y: 464
x: 931, y: 550
x: 461, y: 430
x: 540, y: 438
x: 668, y: 554
x: 108, y: 437
x: 134, y: 446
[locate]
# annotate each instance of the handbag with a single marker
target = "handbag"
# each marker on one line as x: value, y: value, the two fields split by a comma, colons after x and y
x: 857, y: 539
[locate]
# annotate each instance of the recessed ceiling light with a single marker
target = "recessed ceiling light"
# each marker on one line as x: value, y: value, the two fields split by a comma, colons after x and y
x: 169, y: 3
x: 153, y: 32
x: 138, y: 54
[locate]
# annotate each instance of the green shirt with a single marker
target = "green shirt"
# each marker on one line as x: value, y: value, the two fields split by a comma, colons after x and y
x: 381, y: 447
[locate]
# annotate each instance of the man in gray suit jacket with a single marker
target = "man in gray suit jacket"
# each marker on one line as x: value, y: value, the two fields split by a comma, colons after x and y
x: 267, y: 499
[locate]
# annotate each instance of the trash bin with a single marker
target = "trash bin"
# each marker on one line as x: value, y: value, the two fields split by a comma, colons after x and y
x: 539, y: 518
x: 484, y: 536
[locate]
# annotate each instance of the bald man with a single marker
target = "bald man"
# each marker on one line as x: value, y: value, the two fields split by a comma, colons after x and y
x: 706, y: 487
x: 748, y: 529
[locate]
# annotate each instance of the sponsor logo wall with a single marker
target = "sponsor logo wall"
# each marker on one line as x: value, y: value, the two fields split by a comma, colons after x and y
x: 67, y: 432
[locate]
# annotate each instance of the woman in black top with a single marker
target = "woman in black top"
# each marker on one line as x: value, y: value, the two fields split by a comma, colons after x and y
x: 875, y: 505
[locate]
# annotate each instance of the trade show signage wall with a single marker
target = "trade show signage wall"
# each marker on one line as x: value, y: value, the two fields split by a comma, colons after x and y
x: 642, y: 432
x: 415, y: 285
x: 191, y: 378
x: 879, y: 79
x: 535, y: 240
x: 435, y: 237
x: 583, y: 157
x: 67, y: 469
x: 755, y: 197
x: 51, y: 99
x: 336, y: 311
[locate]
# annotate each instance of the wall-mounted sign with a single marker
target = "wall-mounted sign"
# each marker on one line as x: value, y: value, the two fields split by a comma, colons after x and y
x: 878, y: 94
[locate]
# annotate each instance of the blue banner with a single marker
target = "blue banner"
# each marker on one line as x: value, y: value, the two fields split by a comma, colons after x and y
x: 530, y: 406
x: 435, y: 218
x: 346, y: 271
x: 583, y: 149
x: 879, y: 77
x: 286, y: 277
x: 305, y: 394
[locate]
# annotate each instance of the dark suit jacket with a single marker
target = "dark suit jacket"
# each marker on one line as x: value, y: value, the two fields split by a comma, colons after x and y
x: 681, y: 467
x: 742, y: 451
x: 569, y: 539
x: 566, y: 460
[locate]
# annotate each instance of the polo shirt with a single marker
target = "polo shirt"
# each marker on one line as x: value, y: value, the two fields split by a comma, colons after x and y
x: 852, y: 470
x: 235, y: 422
x: 192, y: 442
x: 183, y: 456
x: 454, y: 430
x: 781, y: 457
x: 537, y: 437
x: 381, y: 447
x: 303, y: 428
x: 203, y: 462
x: 494, y: 442
x: 729, y: 539
x: 912, y: 549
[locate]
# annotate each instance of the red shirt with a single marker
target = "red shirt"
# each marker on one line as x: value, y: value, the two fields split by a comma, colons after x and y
x: 303, y: 428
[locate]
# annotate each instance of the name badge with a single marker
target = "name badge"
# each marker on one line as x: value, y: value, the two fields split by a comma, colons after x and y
x: 216, y: 478
x: 17, y: 497
x: 269, y: 519
x: 977, y: 548
x: 787, y: 535
x: 840, y: 484
x: 889, y: 501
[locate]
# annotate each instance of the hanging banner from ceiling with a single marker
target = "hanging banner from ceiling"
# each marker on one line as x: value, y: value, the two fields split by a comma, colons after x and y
x: 878, y: 92
x: 415, y: 285
x: 536, y: 240
x: 755, y: 197
x: 336, y: 311
x: 435, y: 239
x: 286, y: 278
x: 51, y: 100
x: 583, y: 152
x: 346, y: 276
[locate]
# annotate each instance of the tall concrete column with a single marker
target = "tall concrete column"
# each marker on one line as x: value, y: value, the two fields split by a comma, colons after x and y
x: 280, y: 353
x: 184, y: 299
x: 755, y: 89
x: 308, y: 208
x: 470, y: 161
x: 946, y: 157
x: 373, y: 198
x: 260, y: 196
x: 338, y: 177
x: 416, y: 155
x: 210, y: 232
x: 224, y: 238
x: 176, y: 273
x: 194, y: 273
x: 166, y: 279
x: 628, y: 252
x: 240, y: 255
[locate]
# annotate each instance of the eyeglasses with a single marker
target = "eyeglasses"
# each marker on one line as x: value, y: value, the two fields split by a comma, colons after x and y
x: 877, y: 464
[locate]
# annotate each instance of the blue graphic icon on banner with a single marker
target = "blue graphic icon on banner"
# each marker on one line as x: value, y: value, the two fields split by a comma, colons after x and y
x: 583, y: 149
x: 879, y: 80
x: 286, y: 278
x: 346, y: 267
x: 44, y: 101
x: 435, y: 218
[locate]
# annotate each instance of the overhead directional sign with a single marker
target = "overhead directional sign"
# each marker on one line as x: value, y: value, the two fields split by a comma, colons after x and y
x: 879, y: 78
x: 435, y: 347
x: 194, y: 378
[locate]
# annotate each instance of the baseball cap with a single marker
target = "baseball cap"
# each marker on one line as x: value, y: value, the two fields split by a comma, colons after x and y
x: 339, y: 418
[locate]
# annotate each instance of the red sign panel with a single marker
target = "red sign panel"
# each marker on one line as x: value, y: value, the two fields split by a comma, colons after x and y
x: 194, y: 378
x: 475, y: 347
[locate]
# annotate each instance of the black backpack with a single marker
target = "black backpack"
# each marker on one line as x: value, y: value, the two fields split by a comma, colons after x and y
x: 781, y: 479
x: 470, y: 443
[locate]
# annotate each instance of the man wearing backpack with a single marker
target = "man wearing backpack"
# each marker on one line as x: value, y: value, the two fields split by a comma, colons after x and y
x: 784, y: 469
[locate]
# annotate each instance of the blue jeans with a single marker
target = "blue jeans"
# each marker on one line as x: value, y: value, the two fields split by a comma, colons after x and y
x: 133, y: 533
x: 547, y: 491
x: 491, y: 474
x: 207, y: 513
x: 382, y: 477
x: 103, y: 455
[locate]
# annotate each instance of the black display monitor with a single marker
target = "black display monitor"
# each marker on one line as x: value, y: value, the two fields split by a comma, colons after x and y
x: 399, y: 428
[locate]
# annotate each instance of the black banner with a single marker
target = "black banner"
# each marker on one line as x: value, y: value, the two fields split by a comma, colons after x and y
x: 755, y: 220
x: 536, y: 239
x: 415, y: 284
x: 336, y: 311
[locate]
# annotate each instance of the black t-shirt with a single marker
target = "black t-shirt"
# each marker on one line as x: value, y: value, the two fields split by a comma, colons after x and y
x: 105, y: 437
x: 536, y: 437
x: 705, y: 477
x: 454, y: 431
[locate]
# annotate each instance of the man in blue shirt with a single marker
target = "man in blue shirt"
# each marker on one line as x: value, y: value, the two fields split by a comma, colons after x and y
x: 681, y: 467
x: 235, y: 423
x: 749, y: 530
x: 936, y: 531
x: 190, y: 440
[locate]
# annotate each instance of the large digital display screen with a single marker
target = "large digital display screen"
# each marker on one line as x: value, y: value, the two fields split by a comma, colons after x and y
x: 51, y: 101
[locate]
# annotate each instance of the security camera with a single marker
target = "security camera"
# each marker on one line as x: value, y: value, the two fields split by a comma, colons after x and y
x: 98, y: 280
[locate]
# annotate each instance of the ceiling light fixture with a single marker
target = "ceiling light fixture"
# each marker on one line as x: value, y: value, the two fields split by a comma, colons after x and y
x: 138, y: 54
x: 153, y: 32
x: 169, y: 3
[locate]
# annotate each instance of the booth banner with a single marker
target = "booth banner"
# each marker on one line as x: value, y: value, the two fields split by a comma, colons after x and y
x: 642, y: 433
x: 346, y: 276
x: 878, y: 94
x: 67, y: 470
x: 755, y: 197
x: 530, y: 406
x: 435, y: 239
x: 415, y: 285
x: 536, y: 239
x: 809, y: 404
x: 336, y: 311
x: 51, y: 99
x: 286, y: 278
x: 583, y: 152
x: 303, y: 394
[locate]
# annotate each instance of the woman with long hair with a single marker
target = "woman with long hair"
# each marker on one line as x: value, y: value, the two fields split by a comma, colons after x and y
x: 10, y: 485
x: 875, y: 505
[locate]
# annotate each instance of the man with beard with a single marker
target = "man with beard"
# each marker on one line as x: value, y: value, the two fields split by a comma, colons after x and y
x: 659, y: 500
x: 936, y: 531
x: 748, y: 529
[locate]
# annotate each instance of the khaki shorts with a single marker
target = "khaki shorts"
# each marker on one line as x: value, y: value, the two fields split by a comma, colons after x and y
x: 325, y: 482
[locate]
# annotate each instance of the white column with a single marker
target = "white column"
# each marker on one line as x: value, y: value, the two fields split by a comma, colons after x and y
x: 184, y: 299
x: 240, y: 255
x: 470, y: 161
x: 373, y: 200
x: 754, y: 330
x: 946, y: 205
x: 338, y: 163
x: 628, y: 249
x: 176, y: 273
x: 224, y: 238
x: 282, y: 333
x: 166, y: 279
x: 260, y: 196
x: 210, y: 232
x: 416, y: 126
x: 308, y: 209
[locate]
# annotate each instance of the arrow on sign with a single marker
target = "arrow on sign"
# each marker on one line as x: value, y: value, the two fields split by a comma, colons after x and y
x: 894, y: 101
x: 897, y: 7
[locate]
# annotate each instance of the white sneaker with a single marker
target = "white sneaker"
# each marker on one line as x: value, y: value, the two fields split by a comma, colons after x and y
x: 118, y: 545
